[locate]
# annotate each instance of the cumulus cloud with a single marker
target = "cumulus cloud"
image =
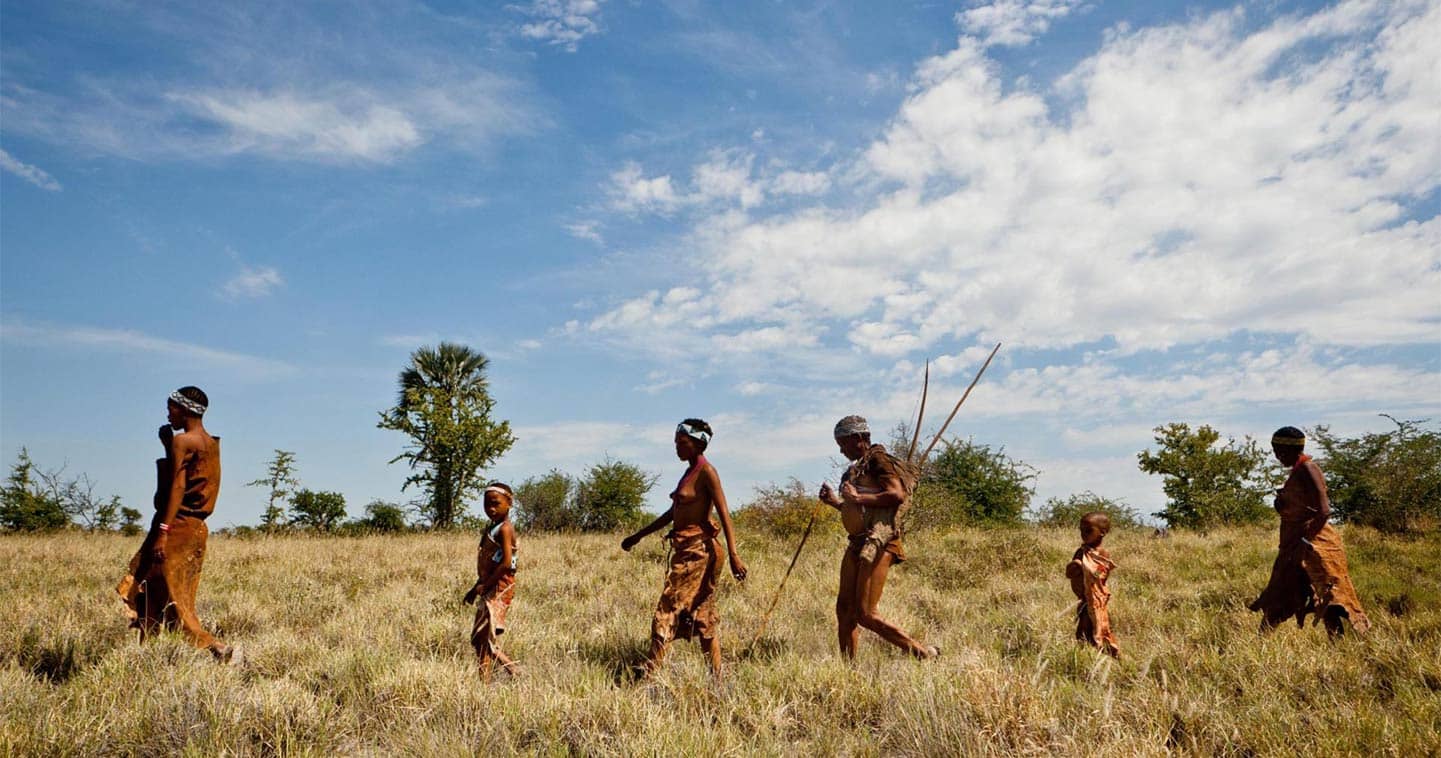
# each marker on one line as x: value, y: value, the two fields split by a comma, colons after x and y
x: 586, y: 230
x: 33, y: 174
x: 1013, y: 22
x: 252, y: 282
x: 1199, y: 179
x: 563, y: 23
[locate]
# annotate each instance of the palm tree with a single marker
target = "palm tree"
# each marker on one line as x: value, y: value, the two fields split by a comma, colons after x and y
x: 444, y: 405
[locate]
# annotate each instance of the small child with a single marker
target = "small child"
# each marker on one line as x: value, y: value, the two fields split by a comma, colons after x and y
x: 495, y: 585
x: 1088, y: 570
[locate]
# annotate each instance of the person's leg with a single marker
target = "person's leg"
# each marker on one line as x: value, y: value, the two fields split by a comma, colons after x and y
x: 847, y: 628
x: 710, y: 646
x: 1332, y: 619
x: 870, y: 583
x: 182, y: 579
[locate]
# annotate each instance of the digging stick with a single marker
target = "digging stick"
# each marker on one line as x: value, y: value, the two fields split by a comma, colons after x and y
x: 776, y: 598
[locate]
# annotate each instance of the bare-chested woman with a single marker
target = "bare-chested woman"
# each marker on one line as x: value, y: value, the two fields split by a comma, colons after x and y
x: 687, y: 604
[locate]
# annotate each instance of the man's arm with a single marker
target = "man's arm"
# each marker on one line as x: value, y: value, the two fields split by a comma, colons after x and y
x: 651, y: 528
x: 175, y: 454
x: 892, y: 493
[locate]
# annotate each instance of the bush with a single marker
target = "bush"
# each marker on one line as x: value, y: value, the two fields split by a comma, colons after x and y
x: 611, y: 496
x: 784, y: 511
x: 1389, y: 480
x: 1068, y: 512
x: 383, y: 517
x: 547, y: 503
x: 318, y: 510
x: 1209, y: 484
x: 25, y: 505
x: 970, y: 483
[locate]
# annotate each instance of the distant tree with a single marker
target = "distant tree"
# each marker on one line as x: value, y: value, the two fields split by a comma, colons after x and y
x: 130, y: 522
x: 784, y: 510
x: 1209, y: 484
x: 971, y: 483
x: 611, y: 496
x: 318, y: 510
x: 1388, y: 480
x: 382, y: 516
x: 25, y: 506
x: 445, y: 409
x: 280, y: 481
x: 107, y: 515
x: 547, y: 503
x: 1067, y: 512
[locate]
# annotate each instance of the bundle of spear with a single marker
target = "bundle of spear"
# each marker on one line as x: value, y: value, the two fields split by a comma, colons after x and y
x: 917, y: 465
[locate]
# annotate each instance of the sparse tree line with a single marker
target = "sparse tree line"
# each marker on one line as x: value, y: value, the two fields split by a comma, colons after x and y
x: 1388, y: 480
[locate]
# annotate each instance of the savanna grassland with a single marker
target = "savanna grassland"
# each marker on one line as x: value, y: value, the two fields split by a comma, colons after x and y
x: 359, y: 646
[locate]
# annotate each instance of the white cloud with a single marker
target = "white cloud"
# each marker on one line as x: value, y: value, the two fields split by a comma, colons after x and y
x: 289, y: 86
x: 131, y: 341
x: 252, y: 282
x: 1188, y: 192
x: 801, y: 183
x: 631, y: 191
x: 285, y: 123
x: 33, y: 174
x: 1014, y: 22
x: 563, y: 23
x: 586, y: 230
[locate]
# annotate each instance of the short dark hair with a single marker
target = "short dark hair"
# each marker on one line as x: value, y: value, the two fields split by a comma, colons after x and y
x: 1099, y: 520
x: 700, y: 426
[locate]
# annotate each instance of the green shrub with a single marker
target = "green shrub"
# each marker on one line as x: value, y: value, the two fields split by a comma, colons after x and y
x: 784, y: 511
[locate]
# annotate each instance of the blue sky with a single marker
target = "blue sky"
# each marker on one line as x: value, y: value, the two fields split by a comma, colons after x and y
x: 764, y: 214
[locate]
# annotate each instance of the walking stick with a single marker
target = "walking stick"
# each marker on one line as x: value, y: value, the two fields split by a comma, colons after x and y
x: 958, y: 404
x: 776, y: 598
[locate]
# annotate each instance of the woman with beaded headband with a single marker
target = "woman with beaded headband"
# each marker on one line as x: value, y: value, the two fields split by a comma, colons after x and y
x: 1310, y: 574
x: 159, y: 591
x: 495, y: 583
x: 687, y: 602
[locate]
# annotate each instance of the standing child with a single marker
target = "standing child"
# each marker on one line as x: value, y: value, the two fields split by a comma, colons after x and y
x: 1088, y: 570
x: 495, y: 585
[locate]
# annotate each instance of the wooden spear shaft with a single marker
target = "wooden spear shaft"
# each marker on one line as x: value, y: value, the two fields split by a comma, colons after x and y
x: 920, y: 417
x: 967, y: 394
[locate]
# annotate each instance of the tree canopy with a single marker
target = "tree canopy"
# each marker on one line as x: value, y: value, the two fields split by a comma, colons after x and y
x: 445, y: 408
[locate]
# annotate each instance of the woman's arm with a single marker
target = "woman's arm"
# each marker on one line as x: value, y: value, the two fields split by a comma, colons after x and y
x: 1321, y: 504
x: 654, y: 526
x: 712, y: 482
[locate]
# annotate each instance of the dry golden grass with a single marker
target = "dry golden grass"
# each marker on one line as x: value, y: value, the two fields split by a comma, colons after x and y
x: 359, y: 646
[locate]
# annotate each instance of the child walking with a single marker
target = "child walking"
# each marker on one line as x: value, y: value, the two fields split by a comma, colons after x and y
x: 1088, y: 570
x: 495, y: 585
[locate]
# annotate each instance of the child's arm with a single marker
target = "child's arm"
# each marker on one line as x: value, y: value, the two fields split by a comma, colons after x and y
x: 653, y: 527
x: 1076, y: 573
x: 507, y: 553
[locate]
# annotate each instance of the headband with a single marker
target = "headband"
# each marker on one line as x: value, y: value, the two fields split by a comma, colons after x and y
x: 499, y: 491
x: 1277, y: 439
x: 187, y: 403
x: 693, y: 432
x: 852, y: 425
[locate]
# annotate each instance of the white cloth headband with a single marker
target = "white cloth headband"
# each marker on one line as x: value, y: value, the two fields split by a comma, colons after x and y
x: 187, y: 403
x: 499, y: 491
x: 692, y: 432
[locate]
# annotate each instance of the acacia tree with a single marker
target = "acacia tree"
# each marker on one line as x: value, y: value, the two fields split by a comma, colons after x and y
x: 445, y: 409
x: 26, y: 505
x: 1206, y: 483
x: 282, y: 482
x: 320, y: 511
x: 1389, y: 480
